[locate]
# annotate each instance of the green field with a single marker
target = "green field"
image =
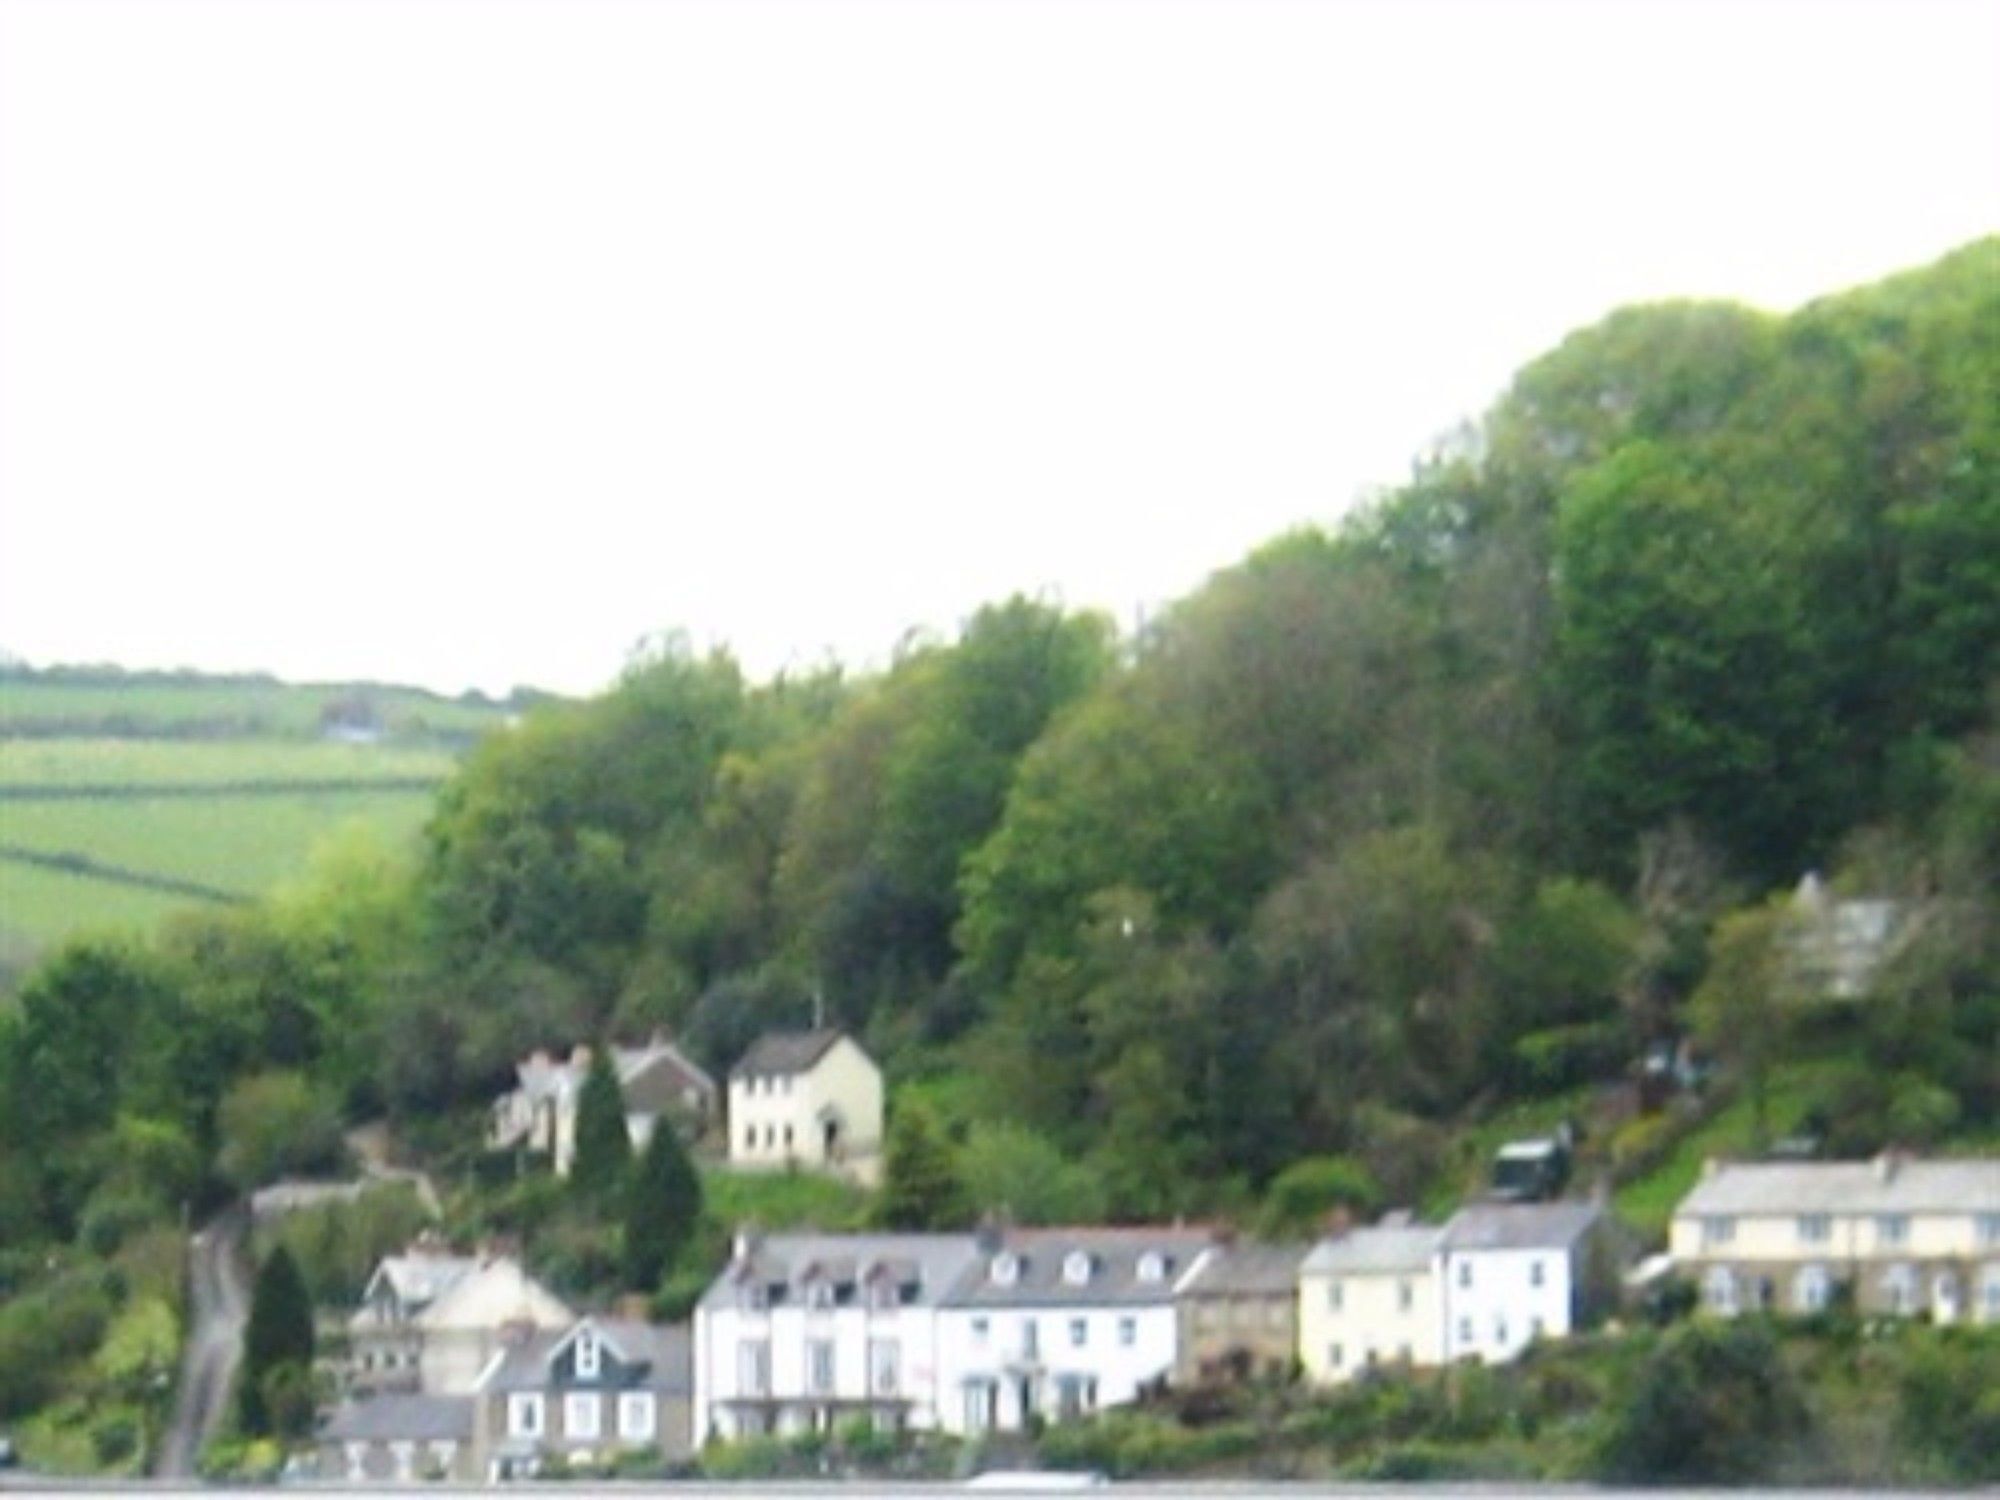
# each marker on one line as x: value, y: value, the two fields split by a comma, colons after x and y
x: 224, y: 786
x: 65, y: 704
x: 139, y: 763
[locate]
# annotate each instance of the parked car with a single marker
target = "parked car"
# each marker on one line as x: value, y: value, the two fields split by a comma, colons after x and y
x: 1529, y: 1171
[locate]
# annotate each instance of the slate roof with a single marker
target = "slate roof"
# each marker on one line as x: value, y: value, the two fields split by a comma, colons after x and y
x: 1519, y: 1226
x: 386, y: 1419
x: 924, y: 1265
x: 420, y: 1279
x: 1380, y: 1248
x: 663, y: 1350
x: 782, y: 1052
x: 1855, y: 1187
x: 1247, y: 1270
x: 495, y: 1291
x: 1041, y: 1256
x: 656, y: 1078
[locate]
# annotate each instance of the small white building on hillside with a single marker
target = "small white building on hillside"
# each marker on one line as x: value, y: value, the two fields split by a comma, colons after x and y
x: 809, y: 1100
x: 658, y: 1082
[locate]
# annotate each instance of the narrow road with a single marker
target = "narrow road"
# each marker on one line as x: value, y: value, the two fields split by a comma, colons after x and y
x: 218, y: 1306
x: 370, y: 1144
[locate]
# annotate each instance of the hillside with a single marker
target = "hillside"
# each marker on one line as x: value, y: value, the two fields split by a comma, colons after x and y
x: 125, y: 797
x: 1480, y: 812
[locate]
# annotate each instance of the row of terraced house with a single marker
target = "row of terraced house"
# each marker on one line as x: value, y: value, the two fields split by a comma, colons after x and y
x: 1007, y: 1328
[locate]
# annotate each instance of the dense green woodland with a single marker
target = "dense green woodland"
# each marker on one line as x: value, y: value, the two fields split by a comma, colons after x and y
x: 1390, y: 826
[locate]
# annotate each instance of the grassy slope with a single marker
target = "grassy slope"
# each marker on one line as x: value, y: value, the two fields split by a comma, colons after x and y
x: 266, y: 708
x: 67, y: 762
x: 236, y: 843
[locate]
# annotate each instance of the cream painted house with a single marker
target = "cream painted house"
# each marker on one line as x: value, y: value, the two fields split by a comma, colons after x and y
x: 811, y: 1100
x: 429, y: 1321
x: 1372, y: 1297
x: 1899, y: 1236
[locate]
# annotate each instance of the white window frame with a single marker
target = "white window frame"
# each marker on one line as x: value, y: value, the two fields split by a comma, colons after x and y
x: 1815, y: 1229
x: 1892, y: 1229
x: 822, y: 1367
x: 638, y: 1416
x: 1335, y: 1295
x: 589, y: 1355
x: 583, y: 1416
x: 1718, y: 1229
x: 1079, y: 1332
x: 1813, y: 1290
x: 982, y: 1405
x: 753, y: 1367
x: 527, y: 1416
x: 1128, y: 1332
x: 885, y: 1367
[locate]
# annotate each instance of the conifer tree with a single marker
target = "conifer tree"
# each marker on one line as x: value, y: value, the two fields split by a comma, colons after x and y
x: 279, y: 1335
x: 603, y: 1148
x: 920, y: 1186
x: 662, y: 1206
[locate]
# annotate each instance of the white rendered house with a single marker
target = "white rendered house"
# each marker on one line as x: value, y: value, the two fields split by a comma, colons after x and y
x: 803, y: 1331
x: 658, y: 1081
x: 810, y: 1100
x: 1517, y: 1272
x: 1058, y: 1323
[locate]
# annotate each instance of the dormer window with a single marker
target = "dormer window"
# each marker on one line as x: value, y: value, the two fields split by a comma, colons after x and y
x: 754, y: 1297
x: 820, y: 1295
x: 1152, y: 1266
x: 588, y: 1355
x: 1006, y: 1268
x: 1076, y: 1268
x: 883, y: 1294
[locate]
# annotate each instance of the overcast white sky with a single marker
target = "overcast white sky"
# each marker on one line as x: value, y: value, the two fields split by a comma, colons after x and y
x: 466, y: 341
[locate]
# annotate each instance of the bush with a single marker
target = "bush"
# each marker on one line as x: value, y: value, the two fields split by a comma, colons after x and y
x: 1566, y: 1057
x: 337, y: 1245
x: 1301, y: 1196
x: 1709, y: 1405
x: 241, y: 1460
x: 274, y: 1125
x: 116, y: 1214
x: 114, y: 1435
x: 44, y: 1332
x: 747, y: 1458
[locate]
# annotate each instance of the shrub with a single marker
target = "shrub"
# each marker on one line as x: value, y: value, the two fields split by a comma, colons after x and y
x: 1302, y: 1195
x: 1708, y: 1405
